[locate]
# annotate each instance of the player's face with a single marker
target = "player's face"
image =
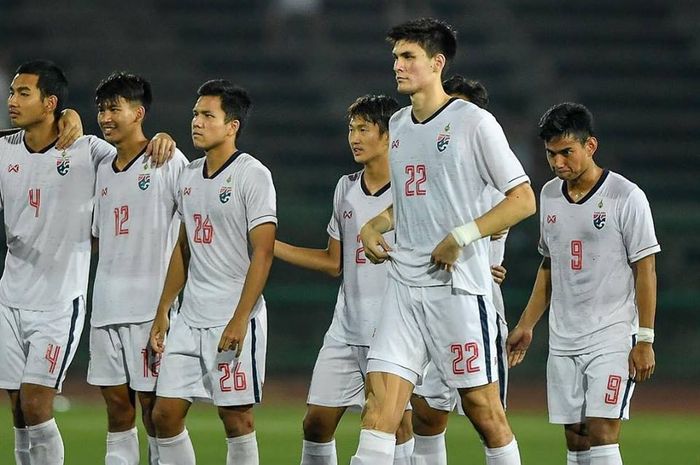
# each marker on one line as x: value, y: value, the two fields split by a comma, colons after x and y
x: 367, y: 142
x: 209, y: 126
x: 119, y: 119
x: 413, y: 68
x: 25, y: 104
x: 568, y: 157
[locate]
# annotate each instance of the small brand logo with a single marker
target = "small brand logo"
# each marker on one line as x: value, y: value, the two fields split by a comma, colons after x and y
x: 551, y: 219
x: 347, y: 214
x: 104, y: 191
x: 395, y: 144
x: 187, y: 191
x: 13, y: 168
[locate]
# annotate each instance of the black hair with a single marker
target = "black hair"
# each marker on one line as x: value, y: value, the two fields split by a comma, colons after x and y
x: 473, y: 90
x: 376, y: 109
x: 131, y: 87
x: 566, y: 119
x: 52, y: 81
x: 235, y: 100
x: 434, y: 36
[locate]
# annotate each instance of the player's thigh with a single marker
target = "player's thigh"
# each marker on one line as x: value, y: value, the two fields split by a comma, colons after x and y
x: 434, y: 392
x: 461, y: 333
x: 565, y: 389
x: 52, y: 338
x: 610, y: 387
x: 338, y: 378
x: 107, y: 365
x: 398, y: 346
x: 142, y: 363
x: 388, y: 396
x: 181, y: 373
x: 231, y: 380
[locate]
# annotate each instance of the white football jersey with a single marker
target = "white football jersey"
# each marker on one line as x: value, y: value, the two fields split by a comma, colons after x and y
x: 591, y: 244
x: 360, y: 295
x: 47, y: 198
x: 137, y: 224
x: 218, y: 211
x: 439, y: 172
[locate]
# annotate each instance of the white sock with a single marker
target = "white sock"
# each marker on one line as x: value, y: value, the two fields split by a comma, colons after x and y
x: 506, y: 455
x: 318, y: 453
x: 429, y: 450
x: 606, y: 455
x: 176, y: 450
x: 46, y: 444
x: 152, y: 451
x: 242, y: 450
x: 579, y: 457
x: 375, y: 448
x: 403, y: 452
x: 22, y: 446
x: 123, y: 448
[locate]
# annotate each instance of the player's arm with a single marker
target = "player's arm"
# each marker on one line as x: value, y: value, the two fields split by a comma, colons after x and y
x: 70, y: 128
x: 174, y: 282
x: 262, y: 241
x: 161, y: 148
x: 520, y: 338
x: 376, y: 248
x: 642, y: 360
x: 328, y: 260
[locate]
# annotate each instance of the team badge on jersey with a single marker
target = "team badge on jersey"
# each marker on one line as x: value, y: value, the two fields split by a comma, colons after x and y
x: 63, y: 164
x: 599, y: 219
x: 443, y: 139
x: 144, y: 179
x: 225, y: 191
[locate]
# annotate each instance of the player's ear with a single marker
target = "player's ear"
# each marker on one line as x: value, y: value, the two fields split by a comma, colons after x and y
x: 439, y: 62
x: 50, y: 103
x: 140, y: 113
x: 591, y: 145
x: 233, y: 127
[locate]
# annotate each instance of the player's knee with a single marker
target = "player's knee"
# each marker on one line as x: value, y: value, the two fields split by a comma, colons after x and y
x: 426, y: 420
x: 121, y: 413
x: 238, y: 421
x: 405, y: 430
x: 36, y: 406
x: 489, y: 419
x: 576, y: 437
x: 168, y: 421
x: 317, y: 429
x: 603, y: 431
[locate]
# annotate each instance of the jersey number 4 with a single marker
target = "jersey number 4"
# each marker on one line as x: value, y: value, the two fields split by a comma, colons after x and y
x: 416, y: 178
x: 35, y: 200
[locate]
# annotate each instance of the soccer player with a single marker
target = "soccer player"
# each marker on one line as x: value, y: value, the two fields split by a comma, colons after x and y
x: 338, y: 380
x: 433, y: 400
x: 135, y: 221
x: 443, y: 154
x: 598, y: 279
x: 216, y: 347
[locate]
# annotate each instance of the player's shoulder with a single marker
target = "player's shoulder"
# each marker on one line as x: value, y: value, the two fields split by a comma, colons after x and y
x: 195, y: 164
x: 401, y: 115
x: 551, y: 188
x: 619, y: 183
x: 13, y: 139
x: 347, y: 181
x: 247, y: 163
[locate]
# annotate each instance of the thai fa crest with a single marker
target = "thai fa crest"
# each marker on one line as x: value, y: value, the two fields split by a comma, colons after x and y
x: 599, y: 219
x: 225, y: 191
x: 63, y: 164
x: 443, y: 139
x: 144, y: 179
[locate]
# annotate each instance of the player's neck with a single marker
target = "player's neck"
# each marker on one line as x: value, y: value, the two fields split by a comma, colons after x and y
x: 579, y: 187
x: 129, y: 149
x: 217, y: 156
x: 426, y: 102
x: 376, y: 174
x: 41, y: 134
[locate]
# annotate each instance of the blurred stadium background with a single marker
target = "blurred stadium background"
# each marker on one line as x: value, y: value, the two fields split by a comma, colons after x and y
x: 636, y: 65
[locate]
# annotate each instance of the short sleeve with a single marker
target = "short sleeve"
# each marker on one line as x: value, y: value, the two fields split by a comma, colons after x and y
x: 99, y: 150
x: 497, y: 164
x: 333, y: 228
x: 175, y: 167
x: 259, y: 197
x: 637, y: 227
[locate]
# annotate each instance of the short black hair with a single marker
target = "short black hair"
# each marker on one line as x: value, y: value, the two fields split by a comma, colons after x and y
x: 52, y: 81
x: 376, y: 109
x: 474, y: 90
x: 129, y: 86
x: 566, y: 119
x: 235, y: 100
x: 434, y: 36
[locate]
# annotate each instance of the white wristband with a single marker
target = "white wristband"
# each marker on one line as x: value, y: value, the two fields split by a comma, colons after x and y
x: 466, y: 234
x: 645, y: 335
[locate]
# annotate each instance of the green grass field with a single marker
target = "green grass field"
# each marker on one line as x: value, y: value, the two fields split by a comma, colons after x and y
x: 647, y: 439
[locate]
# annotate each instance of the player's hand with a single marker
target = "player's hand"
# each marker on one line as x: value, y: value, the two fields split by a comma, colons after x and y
x: 376, y: 248
x: 499, y: 235
x: 161, y: 148
x: 517, y: 344
x: 233, y: 336
x: 446, y: 253
x: 642, y: 362
x: 498, y: 273
x: 158, y: 331
x: 70, y: 129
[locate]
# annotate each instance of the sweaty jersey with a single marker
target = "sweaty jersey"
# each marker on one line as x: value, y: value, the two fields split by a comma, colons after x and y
x: 591, y: 244
x: 47, y: 198
x: 360, y: 295
x: 218, y: 212
x: 439, y: 171
x: 137, y: 223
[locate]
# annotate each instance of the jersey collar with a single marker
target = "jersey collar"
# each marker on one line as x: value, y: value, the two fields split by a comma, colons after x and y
x: 226, y: 164
x: 591, y: 192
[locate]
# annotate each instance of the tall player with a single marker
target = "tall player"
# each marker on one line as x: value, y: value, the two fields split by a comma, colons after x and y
x: 433, y: 400
x: 598, y: 278
x: 216, y: 347
x: 444, y: 152
x: 338, y: 380
x: 136, y: 224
